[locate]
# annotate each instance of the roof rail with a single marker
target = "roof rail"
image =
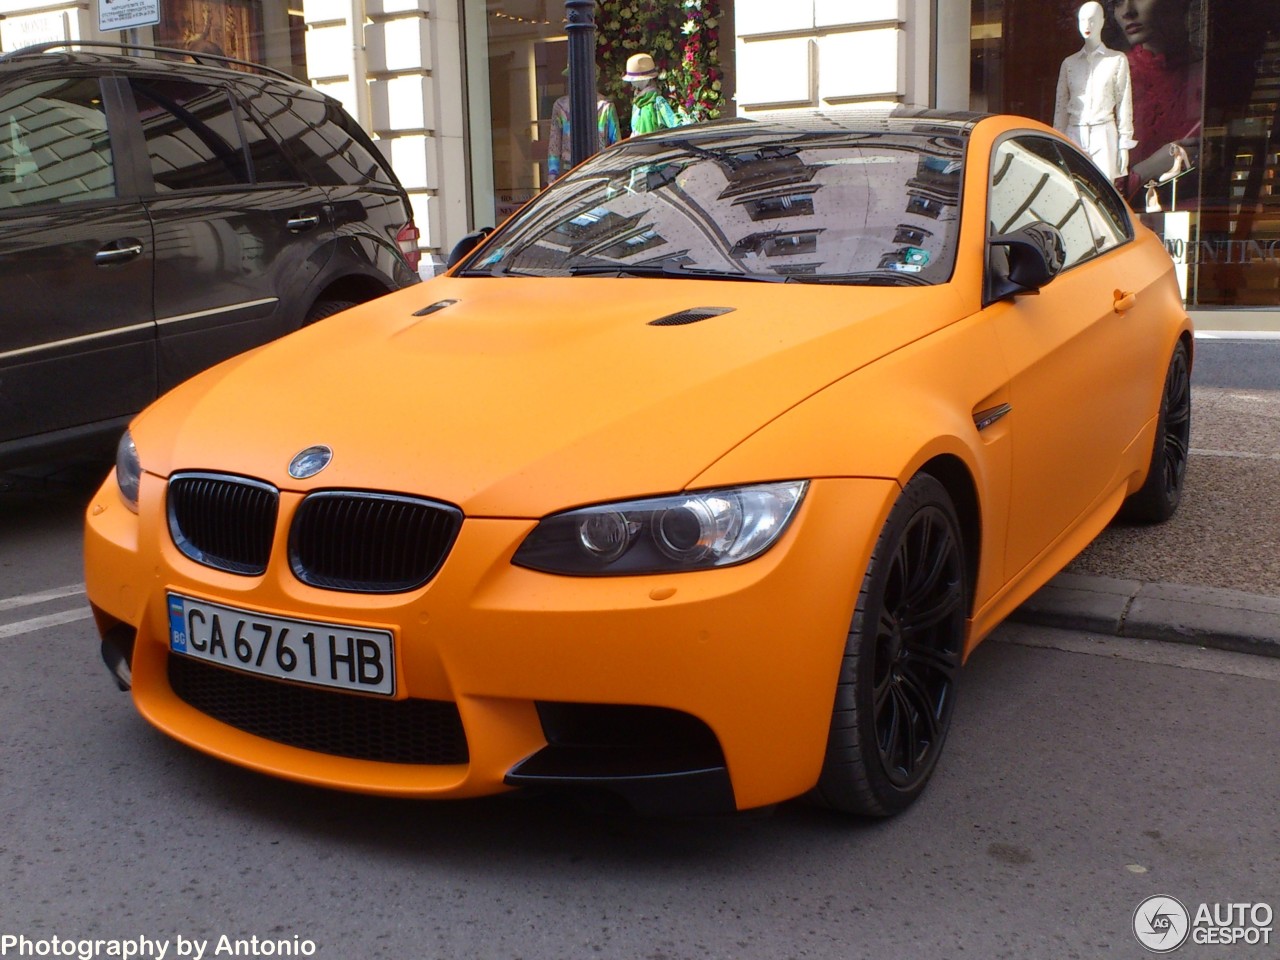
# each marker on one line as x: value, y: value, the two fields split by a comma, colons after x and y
x: 131, y: 48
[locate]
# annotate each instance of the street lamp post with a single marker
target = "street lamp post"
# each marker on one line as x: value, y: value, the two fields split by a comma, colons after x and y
x: 580, y: 24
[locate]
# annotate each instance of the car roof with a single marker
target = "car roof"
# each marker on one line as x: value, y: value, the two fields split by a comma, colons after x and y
x: 179, y: 63
x: 838, y: 124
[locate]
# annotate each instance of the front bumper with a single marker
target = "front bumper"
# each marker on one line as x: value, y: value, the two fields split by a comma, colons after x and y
x: 749, y: 654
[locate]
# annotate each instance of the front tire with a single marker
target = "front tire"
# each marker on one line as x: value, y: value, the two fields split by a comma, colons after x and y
x: 897, y: 680
x: 1159, y: 496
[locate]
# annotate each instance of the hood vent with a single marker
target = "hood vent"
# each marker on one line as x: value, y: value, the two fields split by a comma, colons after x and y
x: 438, y: 305
x: 692, y: 315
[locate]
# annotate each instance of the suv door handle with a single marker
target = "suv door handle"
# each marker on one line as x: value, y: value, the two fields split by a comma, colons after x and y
x: 1124, y: 300
x: 118, y: 251
x: 298, y: 224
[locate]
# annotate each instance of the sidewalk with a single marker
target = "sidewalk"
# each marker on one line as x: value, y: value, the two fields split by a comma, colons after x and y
x: 1211, y: 575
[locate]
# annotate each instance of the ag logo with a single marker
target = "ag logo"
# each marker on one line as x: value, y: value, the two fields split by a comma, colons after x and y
x: 1161, y: 924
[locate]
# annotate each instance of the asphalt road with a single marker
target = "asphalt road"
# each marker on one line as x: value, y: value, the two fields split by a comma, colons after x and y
x: 1242, y: 364
x: 1082, y: 776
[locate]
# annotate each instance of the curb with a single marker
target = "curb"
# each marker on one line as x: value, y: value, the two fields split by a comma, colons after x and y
x: 1202, y: 616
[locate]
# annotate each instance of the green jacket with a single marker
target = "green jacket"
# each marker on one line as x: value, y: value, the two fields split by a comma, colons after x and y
x: 650, y: 112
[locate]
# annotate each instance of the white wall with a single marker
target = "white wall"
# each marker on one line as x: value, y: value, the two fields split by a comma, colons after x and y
x: 811, y: 54
x: 409, y: 53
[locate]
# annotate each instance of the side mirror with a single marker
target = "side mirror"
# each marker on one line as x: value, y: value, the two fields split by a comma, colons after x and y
x: 466, y: 245
x: 1024, y: 261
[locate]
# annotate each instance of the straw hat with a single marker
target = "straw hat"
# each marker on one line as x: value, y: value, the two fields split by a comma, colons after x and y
x: 640, y: 66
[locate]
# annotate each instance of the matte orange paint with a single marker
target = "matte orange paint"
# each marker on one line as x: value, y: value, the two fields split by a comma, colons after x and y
x: 530, y: 396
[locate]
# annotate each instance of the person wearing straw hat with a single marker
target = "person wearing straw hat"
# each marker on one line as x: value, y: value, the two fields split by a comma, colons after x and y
x: 649, y: 109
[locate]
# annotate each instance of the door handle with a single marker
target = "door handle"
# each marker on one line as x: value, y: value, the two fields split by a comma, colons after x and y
x: 1125, y: 300
x: 118, y: 252
x: 298, y: 224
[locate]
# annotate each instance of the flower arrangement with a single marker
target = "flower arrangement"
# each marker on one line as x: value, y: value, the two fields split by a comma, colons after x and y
x: 682, y: 36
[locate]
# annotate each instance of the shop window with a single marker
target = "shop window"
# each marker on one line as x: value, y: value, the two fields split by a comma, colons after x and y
x: 1206, y: 106
x: 267, y: 32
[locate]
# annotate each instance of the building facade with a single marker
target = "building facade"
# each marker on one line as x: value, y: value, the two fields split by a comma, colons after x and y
x: 460, y: 93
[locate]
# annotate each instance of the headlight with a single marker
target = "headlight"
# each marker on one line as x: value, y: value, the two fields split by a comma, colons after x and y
x: 685, y: 531
x: 128, y: 471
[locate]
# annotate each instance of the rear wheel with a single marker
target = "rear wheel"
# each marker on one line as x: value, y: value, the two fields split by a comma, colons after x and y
x: 1160, y: 495
x: 897, y: 680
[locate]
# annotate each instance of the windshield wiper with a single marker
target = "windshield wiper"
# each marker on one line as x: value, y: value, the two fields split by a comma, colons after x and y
x: 670, y: 269
x: 499, y: 269
x: 865, y: 278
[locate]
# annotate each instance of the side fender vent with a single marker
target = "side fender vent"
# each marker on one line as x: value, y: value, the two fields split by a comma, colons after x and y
x: 692, y: 315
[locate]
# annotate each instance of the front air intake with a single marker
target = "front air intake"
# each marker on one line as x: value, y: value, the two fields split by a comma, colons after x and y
x: 326, y: 721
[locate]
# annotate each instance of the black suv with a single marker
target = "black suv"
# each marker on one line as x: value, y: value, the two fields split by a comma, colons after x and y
x: 159, y: 215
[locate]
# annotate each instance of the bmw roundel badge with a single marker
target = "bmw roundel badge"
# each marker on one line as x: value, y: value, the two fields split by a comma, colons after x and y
x: 307, y: 463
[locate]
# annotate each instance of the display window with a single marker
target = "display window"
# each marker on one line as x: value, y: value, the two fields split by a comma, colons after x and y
x: 267, y: 32
x: 528, y: 83
x: 1178, y: 101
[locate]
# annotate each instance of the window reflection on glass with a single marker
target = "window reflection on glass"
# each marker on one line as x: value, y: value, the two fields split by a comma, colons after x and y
x: 54, y: 146
x: 867, y: 211
x: 528, y: 61
x: 192, y: 136
x: 1206, y: 101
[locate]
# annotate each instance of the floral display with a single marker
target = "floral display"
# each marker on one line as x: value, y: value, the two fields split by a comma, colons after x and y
x: 682, y: 35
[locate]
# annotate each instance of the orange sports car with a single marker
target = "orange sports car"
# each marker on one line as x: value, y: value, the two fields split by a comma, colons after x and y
x: 695, y: 481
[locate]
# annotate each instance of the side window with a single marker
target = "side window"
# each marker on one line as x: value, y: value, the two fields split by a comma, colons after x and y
x: 329, y: 145
x: 1028, y: 183
x: 270, y: 165
x: 54, y: 146
x: 1107, y: 215
x: 192, y: 137
x: 354, y: 144
x: 300, y: 138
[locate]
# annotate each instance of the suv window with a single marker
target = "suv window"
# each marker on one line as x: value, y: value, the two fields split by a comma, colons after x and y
x: 192, y: 137
x: 303, y: 142
x: 330, y: 148
x: 54, y: 146
x: 270, y: 165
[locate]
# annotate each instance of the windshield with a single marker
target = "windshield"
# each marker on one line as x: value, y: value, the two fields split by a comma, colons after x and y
x: 879, y: 208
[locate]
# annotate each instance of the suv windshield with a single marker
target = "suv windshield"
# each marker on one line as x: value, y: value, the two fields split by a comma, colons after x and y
x: 867, y: 208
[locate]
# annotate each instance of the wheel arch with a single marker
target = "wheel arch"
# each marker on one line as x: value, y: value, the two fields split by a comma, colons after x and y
x: 953, y: 473
x: 354, y: 287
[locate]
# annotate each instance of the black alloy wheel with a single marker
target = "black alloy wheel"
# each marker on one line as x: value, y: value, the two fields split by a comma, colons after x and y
x: 897, y: 682
x: 1159, y: 496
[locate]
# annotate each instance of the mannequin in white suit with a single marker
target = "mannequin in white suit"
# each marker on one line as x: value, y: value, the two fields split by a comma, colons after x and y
x: 1094, y: 106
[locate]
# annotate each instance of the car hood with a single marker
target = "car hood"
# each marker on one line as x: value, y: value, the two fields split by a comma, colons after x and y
x: 529, y: 395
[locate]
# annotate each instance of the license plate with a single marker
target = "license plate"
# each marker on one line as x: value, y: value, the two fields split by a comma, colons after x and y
x: 307, y: 651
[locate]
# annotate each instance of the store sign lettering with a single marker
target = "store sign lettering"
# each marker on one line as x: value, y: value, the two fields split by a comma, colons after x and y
x: 1223, y: 251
